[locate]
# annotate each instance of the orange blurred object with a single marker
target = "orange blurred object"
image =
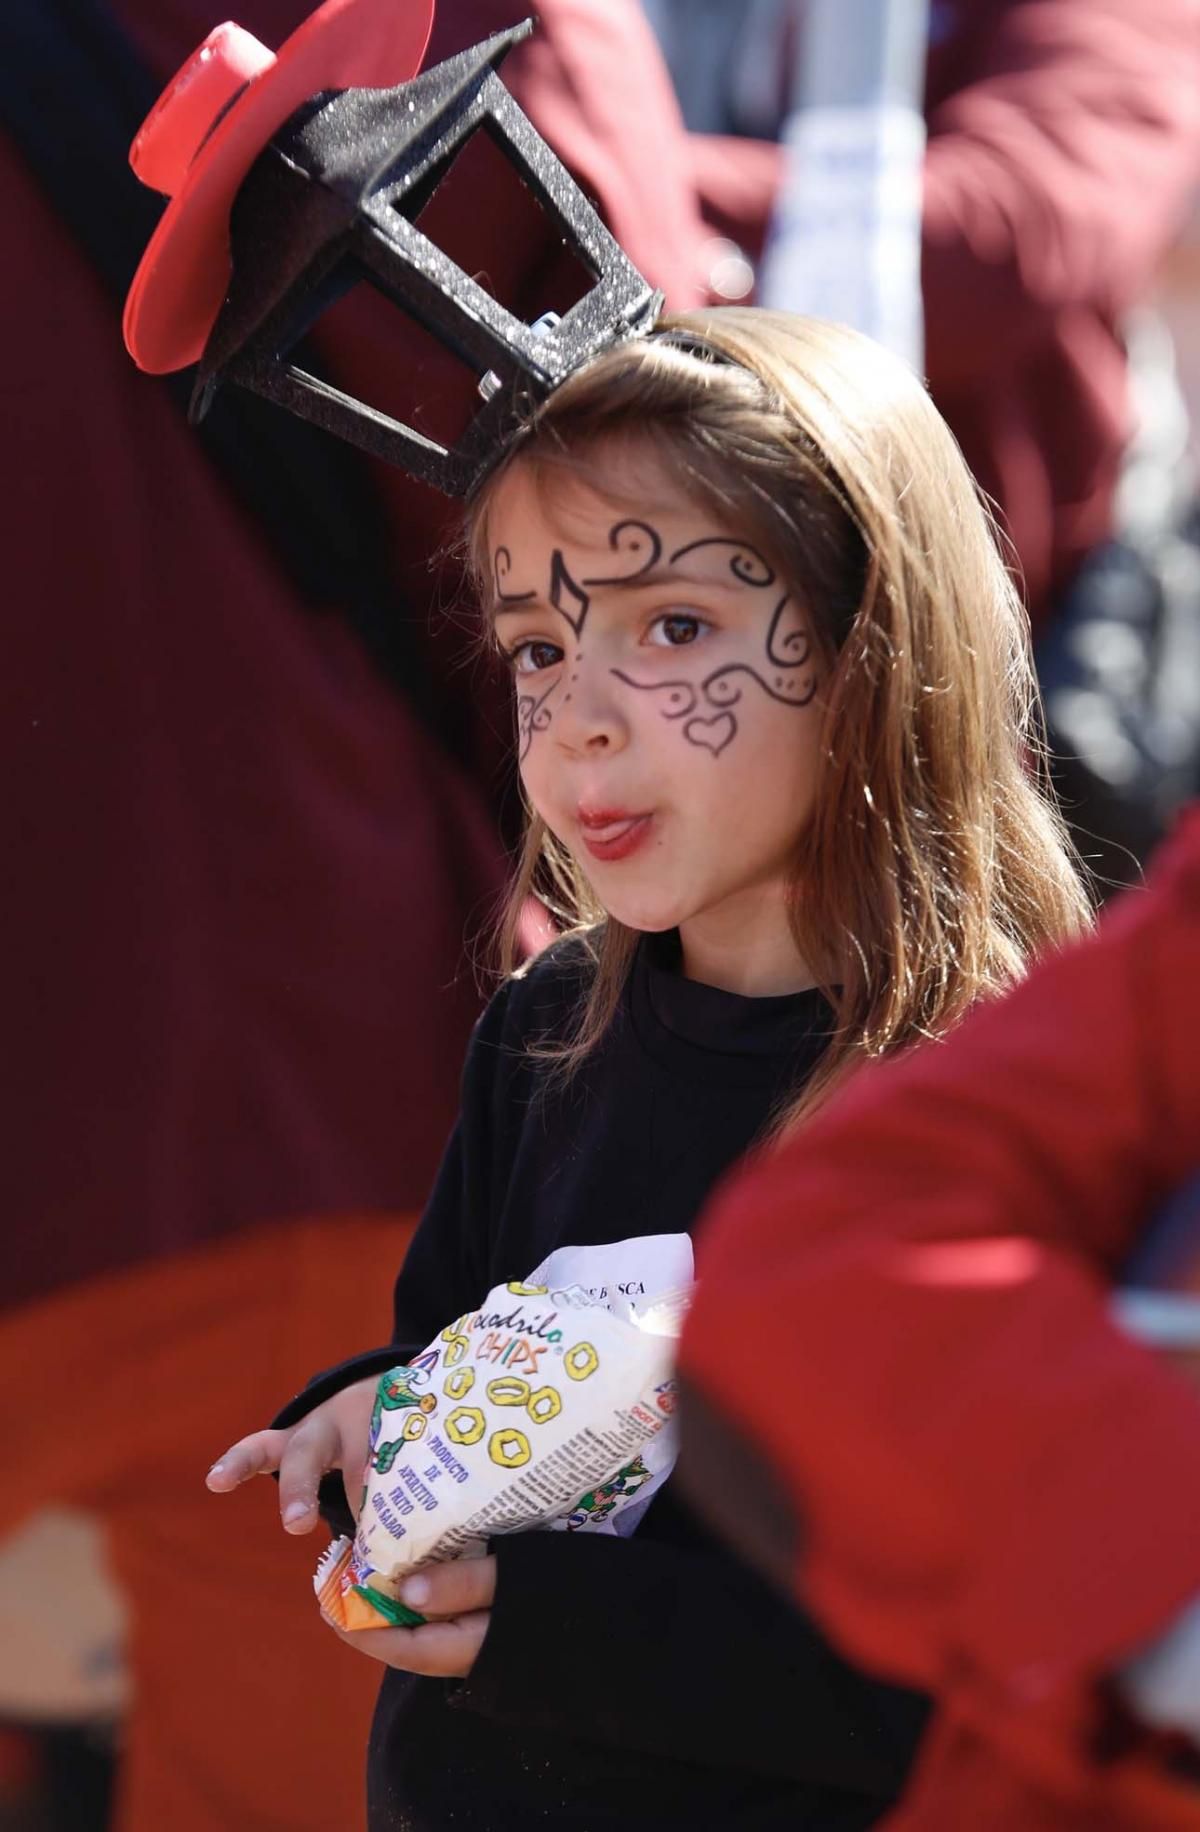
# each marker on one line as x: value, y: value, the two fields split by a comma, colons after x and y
x: 118, y: 1393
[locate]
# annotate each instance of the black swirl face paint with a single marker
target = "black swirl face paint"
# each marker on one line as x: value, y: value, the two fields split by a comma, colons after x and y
x: 571, y: 601
x: 637, y: 541
x: 533, y: 716
x: 630, y: 540
x: 705, y: 711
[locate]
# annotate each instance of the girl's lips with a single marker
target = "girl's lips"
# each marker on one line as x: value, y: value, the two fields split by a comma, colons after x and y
x: 616, y: 837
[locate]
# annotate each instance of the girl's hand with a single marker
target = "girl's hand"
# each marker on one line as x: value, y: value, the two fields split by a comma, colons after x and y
x: 457, y: 1597
x: 334, y: 1435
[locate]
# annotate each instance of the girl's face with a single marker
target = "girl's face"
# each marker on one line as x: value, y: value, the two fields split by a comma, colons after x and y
x: 666, y: 683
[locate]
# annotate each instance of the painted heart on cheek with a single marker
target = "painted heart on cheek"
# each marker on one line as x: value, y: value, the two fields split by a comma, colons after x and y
x: 712, y: 734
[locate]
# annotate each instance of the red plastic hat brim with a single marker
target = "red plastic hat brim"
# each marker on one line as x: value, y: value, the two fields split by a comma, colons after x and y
x: 183, y: 275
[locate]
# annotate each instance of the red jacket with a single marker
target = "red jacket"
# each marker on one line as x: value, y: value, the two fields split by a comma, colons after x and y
x: 1064, y: 143
x: 999, y: 1492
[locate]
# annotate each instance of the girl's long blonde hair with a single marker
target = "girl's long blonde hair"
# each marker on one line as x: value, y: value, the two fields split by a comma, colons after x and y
x: 934, y: 863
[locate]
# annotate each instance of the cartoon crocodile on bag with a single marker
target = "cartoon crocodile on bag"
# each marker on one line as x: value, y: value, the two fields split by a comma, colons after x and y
x: 393, y: 1394
x: 600, y: 1502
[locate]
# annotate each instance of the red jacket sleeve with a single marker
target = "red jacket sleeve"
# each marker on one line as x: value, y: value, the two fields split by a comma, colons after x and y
x: 907, y: 1311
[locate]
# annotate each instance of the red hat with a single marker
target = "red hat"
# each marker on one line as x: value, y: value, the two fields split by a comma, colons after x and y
x: 206, y: 130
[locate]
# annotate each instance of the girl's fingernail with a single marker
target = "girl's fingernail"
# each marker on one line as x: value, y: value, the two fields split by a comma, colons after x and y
x: 216, y: 1469
x: 295, y: 1510
x: 415, y: 1592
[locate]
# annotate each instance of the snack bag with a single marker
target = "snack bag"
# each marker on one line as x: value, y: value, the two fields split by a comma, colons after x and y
x: 531, y: 1411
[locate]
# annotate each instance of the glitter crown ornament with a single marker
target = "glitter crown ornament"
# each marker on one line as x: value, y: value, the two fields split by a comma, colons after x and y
x: 325, y: 196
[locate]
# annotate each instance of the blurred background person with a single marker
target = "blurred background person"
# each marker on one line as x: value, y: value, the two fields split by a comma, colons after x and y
x: 955, y: 1453
x: 1062, y: 150
x: 257, y: 822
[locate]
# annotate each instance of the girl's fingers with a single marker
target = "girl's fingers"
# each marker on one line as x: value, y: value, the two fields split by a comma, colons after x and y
x: 256, y: 1455
x: 440, y: 1650
x: 302, y: 1453
x: 310, y: 1450
x: 452, y: 1589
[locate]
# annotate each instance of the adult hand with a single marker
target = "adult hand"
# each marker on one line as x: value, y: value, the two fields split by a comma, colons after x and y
x: 334, y: 1435
x: 457, y: 1598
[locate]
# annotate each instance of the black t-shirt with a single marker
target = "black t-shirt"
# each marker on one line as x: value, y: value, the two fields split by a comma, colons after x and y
x: 648, y: 1682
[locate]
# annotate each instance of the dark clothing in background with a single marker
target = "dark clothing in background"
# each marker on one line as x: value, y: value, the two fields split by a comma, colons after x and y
x: 646, y: 1682
x: 1064, y: 144
x: 241, y: 872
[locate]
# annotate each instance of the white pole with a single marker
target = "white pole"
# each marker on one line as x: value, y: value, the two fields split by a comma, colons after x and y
x: 845, y: 239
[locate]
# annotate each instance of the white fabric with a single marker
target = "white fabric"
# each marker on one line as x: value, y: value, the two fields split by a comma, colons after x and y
x: 845, y: 241
x: 1163, y: 1685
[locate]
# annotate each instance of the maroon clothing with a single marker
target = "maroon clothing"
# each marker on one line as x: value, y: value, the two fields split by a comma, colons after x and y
x: 1064, y: 142
x: 998, y: 1490
x: 237, y: 897
x: 237, y: 893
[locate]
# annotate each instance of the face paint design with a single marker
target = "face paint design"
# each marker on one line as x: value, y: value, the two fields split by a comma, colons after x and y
x: 533, y: 716
x: 706, y: 708
x: 628, y: 539
x: 627, y: 632
x: 534, y: 713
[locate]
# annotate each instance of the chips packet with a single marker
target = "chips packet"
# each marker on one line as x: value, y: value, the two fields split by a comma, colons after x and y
x: 539, y: 1409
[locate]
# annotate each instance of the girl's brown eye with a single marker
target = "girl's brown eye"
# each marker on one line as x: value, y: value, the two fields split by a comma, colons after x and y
x: 533, y: 657
x: 675, y: 629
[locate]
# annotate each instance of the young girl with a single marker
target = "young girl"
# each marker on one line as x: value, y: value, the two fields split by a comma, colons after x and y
x: 773, y: 710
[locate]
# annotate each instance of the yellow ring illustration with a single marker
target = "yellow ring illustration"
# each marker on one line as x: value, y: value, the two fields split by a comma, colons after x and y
x: 581, y: 1361
x: 457, y: 1348
x: 414, y: 1426
x: 465, y: 1425
x: 459, y: 1384
x: 509, y: 1390
x: 544, y: 1405
x: 509, y: 1448
x: 527, y: 1291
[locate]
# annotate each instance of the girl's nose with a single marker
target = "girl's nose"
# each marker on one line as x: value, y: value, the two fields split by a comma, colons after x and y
x: 589, y: 719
